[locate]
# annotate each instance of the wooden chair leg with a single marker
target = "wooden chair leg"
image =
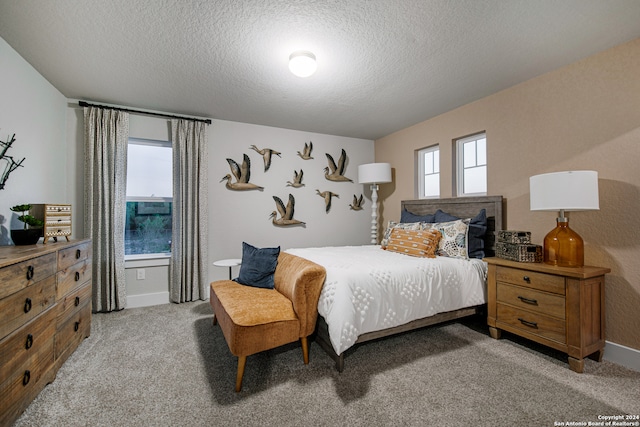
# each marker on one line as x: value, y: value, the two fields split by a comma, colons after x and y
x: 242, y: 360
x: 305, y: 350
x: 215, y: 320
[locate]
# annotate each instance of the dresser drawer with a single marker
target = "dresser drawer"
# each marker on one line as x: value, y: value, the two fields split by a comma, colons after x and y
x: 534, y: 323
x: 69, y: 256
x: 24, y: 342
x: 26, y: 304
x: 531, y: 279
x: 74, y: 302
x: 18, y: 276
x: 532, y: 300
x: 71, y: 332
x: 57, y: 230
x: 73, y: 277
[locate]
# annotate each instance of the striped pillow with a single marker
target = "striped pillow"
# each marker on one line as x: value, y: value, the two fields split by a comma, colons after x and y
x: 419, y: 243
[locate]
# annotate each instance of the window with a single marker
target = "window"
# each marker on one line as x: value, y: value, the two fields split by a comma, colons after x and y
x: 471, y: 172
x: 429, y: 172
x: 149, y: 197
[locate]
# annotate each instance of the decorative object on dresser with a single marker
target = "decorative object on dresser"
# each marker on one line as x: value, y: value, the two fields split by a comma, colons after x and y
x: 564, y: 191
x: 45, y: 312
x: 374, y: 174
x: 32, y: 230
x: 559, y: 307
x: 56, y: 219
x: 516, y: 246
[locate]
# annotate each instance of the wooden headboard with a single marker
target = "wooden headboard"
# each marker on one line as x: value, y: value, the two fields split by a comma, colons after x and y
x: 464, y: 207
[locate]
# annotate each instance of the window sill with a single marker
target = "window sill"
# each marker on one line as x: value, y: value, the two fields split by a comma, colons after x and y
x: 146, y: 260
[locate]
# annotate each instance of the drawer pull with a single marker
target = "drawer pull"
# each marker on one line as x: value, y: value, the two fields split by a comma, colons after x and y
x: 77, y: 253
x: 29, y: 342
x: 76, y: 326
x: 77, y: 276
x: 77, y: 301
x: 27, y: 305
x: 26, y: 378
x: 30, y: 272
x: 527, y: 279
x: 528, y: 323
x: 528, y: 300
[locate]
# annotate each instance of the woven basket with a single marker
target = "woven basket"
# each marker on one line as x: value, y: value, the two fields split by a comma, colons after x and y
x: 519, y: 252
x: 513, y: 236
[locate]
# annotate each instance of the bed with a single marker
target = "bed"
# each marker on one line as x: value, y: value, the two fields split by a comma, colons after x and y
x: 371, y: 293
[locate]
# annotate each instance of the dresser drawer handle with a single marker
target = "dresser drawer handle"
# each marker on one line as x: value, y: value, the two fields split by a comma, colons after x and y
x: 527, y: 279
x: 30, y: 272
x: 528, y: 300
x: 27, y: 305
x: 76, y: 326
x: 78, y: 253
x: 77, y: 276
x: 77, y: 301
x: 29, y: 342
x: 26, y: 378
x: 528, y: 323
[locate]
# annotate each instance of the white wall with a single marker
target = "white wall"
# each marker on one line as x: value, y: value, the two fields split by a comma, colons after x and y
x: 235, y: 216
x: 35, y: 111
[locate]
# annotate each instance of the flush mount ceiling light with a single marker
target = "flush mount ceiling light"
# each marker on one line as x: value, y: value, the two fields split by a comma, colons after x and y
x: 302, y: 63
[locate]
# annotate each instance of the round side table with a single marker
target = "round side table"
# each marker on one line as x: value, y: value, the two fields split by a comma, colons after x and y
x: 228, y: 263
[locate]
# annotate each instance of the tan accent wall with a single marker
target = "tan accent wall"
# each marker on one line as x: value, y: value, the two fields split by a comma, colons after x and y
x: 585, y: 116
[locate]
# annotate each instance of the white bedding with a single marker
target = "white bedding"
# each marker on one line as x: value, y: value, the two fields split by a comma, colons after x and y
x: 369, y: 289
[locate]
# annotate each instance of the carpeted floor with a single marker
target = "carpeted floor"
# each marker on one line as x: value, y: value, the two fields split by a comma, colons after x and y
x: 169, y: 366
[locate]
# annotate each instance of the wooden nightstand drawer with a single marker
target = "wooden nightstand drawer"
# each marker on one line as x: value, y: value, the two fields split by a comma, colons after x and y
x: 23, y: 306
x: 531, y: 279
x: 18, y: 276
x: 532, y: 300
x: 533, y: 323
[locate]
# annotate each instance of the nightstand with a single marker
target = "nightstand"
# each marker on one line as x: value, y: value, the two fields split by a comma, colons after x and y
x: 559, y: 307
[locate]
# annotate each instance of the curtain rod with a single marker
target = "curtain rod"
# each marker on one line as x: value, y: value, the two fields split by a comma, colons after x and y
x: 86, y: 104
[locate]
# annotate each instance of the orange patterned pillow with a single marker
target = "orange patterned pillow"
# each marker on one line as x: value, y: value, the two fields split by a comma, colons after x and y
x: 420, y: 243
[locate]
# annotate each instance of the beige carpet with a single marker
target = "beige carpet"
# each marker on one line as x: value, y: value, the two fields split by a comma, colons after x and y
x: 169, y: 366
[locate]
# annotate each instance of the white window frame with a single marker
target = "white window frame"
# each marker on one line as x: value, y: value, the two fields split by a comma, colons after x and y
x: 162, y: 257
x: 460, y: 167
x: 420, y: 159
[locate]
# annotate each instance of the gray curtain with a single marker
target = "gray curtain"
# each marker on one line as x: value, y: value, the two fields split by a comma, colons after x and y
x: 106, y: 135
x: 188, y: 266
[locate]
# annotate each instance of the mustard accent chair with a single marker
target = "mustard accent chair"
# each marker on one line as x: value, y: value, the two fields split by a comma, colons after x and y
x: 258, y: 319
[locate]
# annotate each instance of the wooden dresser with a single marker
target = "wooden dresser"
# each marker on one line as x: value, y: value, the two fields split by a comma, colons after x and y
x: 560, y: 307
x: 45, y: 312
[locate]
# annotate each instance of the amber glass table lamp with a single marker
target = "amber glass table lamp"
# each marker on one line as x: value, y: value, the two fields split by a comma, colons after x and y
x: 564, y: 191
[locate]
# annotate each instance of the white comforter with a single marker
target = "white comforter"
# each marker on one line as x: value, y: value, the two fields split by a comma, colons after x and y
x: 369, y: 289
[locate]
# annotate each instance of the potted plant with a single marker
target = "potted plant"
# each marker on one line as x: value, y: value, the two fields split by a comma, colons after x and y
x: 26, y: 235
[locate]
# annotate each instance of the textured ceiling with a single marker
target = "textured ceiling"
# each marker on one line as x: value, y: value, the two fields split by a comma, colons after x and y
x: 382, y: 65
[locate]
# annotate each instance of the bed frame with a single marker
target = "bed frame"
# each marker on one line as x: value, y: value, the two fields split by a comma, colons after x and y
x: 463, y: 207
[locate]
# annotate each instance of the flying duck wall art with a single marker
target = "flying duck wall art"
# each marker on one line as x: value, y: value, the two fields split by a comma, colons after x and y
x: 306, y: 152
x: 357, y: 203
x: 297, y: 180
x: 242, y: 175
x: 267, y: 154
x: 286, y: 213
x: 327, y: 195
x: 336, y: 172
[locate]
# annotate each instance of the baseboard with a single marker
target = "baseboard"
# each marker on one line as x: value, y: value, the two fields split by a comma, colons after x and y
x: 146, y: 300
x: 622, y: 355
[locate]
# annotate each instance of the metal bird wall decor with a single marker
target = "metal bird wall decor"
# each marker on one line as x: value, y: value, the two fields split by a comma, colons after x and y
x: 267, y: 154
x: 357, y: 203
x: 306, y: 152
x: 336, y: 172
x: 327, y: 195
x: 242, y: 175
x: 297, y: 180
x: 286, y: 213
x: 11, y: 164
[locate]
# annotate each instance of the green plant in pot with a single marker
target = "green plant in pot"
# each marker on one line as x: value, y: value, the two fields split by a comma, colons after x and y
x: 32, y: 230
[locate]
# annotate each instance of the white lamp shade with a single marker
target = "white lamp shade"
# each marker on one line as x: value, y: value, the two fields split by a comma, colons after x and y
x: 569, y: 191
x: 374, y: 173
x: 302, y: 63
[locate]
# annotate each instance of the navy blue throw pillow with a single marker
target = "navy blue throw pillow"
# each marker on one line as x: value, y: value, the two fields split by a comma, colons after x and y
x: 406, y: 216
x: 258, y: 266
x: 477, y: 230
